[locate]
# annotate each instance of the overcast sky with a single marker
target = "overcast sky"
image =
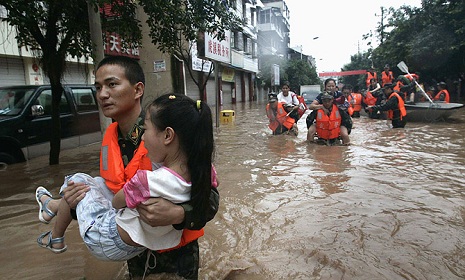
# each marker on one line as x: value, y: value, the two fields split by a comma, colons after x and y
x: 339, y: 26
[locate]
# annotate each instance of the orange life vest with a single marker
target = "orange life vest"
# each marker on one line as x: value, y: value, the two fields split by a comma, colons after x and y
x: 387, y: 78
x: 282, y: 117
x: 356, y: 102
x: 446, y: 97
x: 371, y: 76
x: 328, y: 127
x: 369, y: 99
x: 115, y: 175
x: 401, y: 106
x: 302, y: 105
x: 412, y: 76
x: 350, y: 109
x: 111, y: 163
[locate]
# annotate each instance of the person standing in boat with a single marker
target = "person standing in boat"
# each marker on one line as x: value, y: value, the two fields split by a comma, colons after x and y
x: 394, y: 106
x: 386, y: 76
x: 443, y: 94
x: 371, y: 74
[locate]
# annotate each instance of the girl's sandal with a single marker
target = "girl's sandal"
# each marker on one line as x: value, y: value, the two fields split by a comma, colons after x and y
x: 41, y: 191
x: 51, y: 241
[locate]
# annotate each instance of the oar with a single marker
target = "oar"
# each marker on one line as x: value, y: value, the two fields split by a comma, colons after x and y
x: 403, y: 67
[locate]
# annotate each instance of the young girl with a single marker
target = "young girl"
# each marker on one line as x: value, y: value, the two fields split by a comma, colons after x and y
x: 179, y: 139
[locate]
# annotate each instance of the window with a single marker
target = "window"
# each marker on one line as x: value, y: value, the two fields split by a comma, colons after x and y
x: 84, y: 99
x: 45, y: 99
x: 247, y: 45
x: 265, y: 16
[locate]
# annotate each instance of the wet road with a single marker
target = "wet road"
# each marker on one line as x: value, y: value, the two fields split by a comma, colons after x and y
x: 390, y: 206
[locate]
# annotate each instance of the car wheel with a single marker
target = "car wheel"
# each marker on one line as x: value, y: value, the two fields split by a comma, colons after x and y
x: 6, y: 159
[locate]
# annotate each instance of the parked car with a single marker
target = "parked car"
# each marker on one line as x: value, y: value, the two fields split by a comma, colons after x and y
x: 309, y: 96
x: 25, y: 120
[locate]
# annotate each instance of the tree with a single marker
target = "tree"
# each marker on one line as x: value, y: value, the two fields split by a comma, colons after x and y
x: 52, y: 30
x: 299, y: 72
x: 55, y: 30
x: 266, y: 66
x: 430, y: 39
x: 176, y: 25
x: 357, y: 61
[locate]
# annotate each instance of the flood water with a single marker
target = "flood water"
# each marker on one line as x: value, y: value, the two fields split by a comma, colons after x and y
x: 390, y: 206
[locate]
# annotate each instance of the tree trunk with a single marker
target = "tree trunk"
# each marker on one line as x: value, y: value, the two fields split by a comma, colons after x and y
x: 55, y: 140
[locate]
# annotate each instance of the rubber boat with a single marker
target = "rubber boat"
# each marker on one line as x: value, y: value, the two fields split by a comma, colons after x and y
x: 430, y: 111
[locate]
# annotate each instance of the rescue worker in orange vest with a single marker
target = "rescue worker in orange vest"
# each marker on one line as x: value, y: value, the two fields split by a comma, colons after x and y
x: 347, y: 91
x: 386, y: 76
x: 371, y: 74
x: 328, y: 122
x: 443, y: 94
x: 374, y: 96
x: 280, y: 121
x: 119, y: 81
x: 356, y: 102
x: 394, y: 106
x: 414, y: 92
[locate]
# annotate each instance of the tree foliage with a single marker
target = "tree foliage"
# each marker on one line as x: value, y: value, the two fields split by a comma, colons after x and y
x: 54, y: 30
x: 357, y: 61
x: 300, y: 72
x: 177, y: 23
x: 296, y: 72
x: 266, y: 67
x: 430, y: 39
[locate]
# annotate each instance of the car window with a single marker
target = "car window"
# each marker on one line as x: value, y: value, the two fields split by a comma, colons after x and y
x: 12, y: 101
x: 310, y: 95
x: 45, y: 99
x: 84, y: 99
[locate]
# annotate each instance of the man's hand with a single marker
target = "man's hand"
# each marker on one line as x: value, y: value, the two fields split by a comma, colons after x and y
x: 160, y: 212
x: 74, y: 193
x: 325, y: 110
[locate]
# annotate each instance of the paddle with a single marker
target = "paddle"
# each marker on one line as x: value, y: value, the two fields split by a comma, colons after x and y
x: 403, y: 67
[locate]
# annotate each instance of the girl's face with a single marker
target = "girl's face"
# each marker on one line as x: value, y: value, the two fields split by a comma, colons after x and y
x: 153, y: 141
x: 285, y: 90
x: 331, y: 86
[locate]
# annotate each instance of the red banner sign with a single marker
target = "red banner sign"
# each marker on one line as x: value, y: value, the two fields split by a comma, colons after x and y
x: 343, y: 73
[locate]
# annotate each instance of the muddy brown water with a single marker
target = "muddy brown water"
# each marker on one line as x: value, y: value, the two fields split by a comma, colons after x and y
x: 390, y: 206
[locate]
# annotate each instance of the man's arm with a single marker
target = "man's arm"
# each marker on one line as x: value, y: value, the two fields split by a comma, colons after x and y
x: 195, y: 220
x: 390, y: 104
x: 161, y: 212
x: 315, y: 105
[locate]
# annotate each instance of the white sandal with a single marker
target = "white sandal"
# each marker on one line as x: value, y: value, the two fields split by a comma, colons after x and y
x: 51, y: 241
x: 41, y: 191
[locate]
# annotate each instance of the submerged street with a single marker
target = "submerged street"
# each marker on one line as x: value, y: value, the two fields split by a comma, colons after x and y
x: 390, y: 206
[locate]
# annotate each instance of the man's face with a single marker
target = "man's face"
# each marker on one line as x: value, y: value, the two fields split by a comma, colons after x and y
x: 327, y: 103
x: 387, y: 91
x: 273, y: 104
x: 115, y: 94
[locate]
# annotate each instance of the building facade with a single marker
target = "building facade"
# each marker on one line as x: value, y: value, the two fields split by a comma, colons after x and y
x: 237, y: 70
